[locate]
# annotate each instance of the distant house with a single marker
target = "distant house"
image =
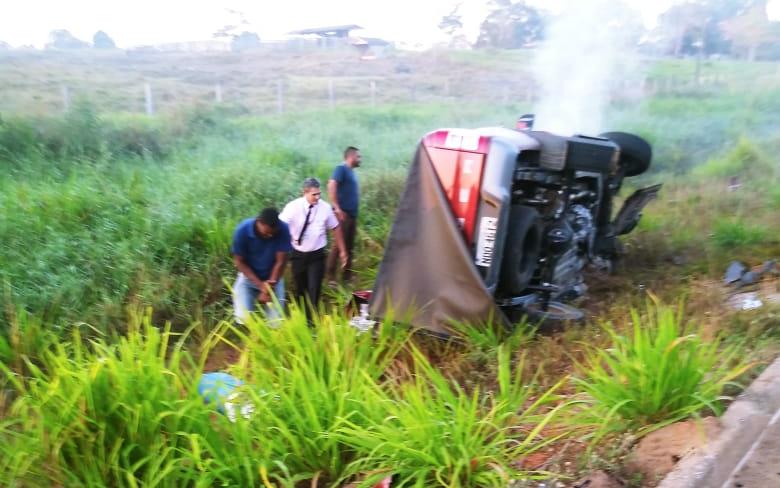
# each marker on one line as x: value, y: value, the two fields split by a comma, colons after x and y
x: 329, y: 36
x: 370, y: 47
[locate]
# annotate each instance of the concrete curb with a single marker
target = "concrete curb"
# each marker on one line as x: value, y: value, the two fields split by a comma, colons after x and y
x: 743, y: 423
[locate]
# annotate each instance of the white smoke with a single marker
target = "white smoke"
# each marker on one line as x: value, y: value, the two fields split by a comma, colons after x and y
x: 586, y: 55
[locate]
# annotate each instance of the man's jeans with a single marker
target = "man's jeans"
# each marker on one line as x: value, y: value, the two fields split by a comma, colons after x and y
x: 245, y: 300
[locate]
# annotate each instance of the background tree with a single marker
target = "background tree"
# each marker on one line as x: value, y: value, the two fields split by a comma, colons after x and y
x: 245, y: 41
x: 62, y: 39
x: 680, y: 27
x: 452, y: 25
x: 751, y: 30
x: 696, y: 27
x: 233, y: 29
x: 511, y: 24
x: 101, y: 40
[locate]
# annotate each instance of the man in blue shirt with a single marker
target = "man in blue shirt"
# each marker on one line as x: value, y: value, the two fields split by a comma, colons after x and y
x: 260, y: 248
x: 344, y: 193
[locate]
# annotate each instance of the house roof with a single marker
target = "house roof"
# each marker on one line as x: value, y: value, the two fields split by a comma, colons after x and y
x: 327, y: 31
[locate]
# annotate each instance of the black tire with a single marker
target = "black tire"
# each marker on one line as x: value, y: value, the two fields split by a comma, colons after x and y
x: 521, y: 251
x: 635, y: 152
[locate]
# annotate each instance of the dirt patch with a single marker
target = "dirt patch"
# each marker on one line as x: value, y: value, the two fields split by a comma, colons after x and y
x: 656, y: 454
x: 598, y: 479
x: 221, y: 358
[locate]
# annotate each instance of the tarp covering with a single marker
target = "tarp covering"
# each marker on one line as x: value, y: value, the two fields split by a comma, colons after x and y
x: 427, y: 277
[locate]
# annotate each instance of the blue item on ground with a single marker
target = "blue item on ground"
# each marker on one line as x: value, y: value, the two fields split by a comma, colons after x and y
x: 217, y: 388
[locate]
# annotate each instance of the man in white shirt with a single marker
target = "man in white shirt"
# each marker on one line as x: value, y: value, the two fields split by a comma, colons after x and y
x: 309, y: 220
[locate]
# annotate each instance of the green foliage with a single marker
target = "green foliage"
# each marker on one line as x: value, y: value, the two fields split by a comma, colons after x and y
x: 659, y: 371
x: 488, y: 338
x: 729, y: 234
x: 431, y: 432
x: 123, y: 410
x: 85, y: 237
x: 774, y: 196
x: 24, y: 340
x: 84, y: 134
x: 321, y: 380
x: 114, y: 413
x: 744, y: 159
x: 17, y: 139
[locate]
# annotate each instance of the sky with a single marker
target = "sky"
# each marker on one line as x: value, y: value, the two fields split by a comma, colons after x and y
x: 143, y: 22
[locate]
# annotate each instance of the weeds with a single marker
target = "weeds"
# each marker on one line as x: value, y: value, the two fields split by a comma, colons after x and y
x: 433, y: 433
x: 112, y: 413
x: 124, y: 411
x: 730, y: 234
x: 101, y: 210
x: 660, y: 371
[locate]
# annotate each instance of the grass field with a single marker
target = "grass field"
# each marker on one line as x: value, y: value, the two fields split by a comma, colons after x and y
x: 114, y: 224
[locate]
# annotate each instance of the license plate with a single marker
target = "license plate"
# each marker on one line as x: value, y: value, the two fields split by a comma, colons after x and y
x: 486, y: 241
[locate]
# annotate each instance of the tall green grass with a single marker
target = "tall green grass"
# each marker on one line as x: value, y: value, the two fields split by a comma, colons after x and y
x: 329, y: 405
x: 111, y: 413
x: 90, y: 230
x: 658, y: 371
x: 432, y: 432
x: 734, y: 233
x: 102, y: 210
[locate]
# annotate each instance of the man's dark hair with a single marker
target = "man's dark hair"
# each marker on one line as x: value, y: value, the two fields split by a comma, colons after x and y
x: 269, y: 216
x: 350, y: 150
x: 309, y: 183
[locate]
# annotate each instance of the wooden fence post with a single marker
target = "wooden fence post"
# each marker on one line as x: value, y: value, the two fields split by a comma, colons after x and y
x: 149, y: 99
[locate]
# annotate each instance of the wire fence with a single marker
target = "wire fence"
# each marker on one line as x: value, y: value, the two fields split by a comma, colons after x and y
x: 290, y: 95
x: 156, y: 86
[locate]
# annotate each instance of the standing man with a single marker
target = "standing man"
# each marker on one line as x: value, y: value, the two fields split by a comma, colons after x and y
x: 260, y: 248
x: 344, y: 192
x: 309, y: 219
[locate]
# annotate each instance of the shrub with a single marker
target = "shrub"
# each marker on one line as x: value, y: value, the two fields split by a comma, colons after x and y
x: 431, y: 432
x: 116, y: 413
x: 744, y: 158
x: 774, y: 196
x: 660, y: 371
x: 18, y: 139
x: 730, y: 234
x: 137, y: 137
x: 326, y: 407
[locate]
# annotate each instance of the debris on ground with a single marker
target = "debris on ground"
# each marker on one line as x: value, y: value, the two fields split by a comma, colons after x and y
x: 657, y: 453
x: 745, y: 301
x: 598, y: 479
x: 734, y: 272
x: 750, y: 288
x: 385, y: 483
x: 362, y: 322
x: 222, y: 389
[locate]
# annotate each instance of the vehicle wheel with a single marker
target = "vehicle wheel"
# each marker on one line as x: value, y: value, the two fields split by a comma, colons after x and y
x: 556, y: 312
x: 635, y: 152
x: 521, y: 251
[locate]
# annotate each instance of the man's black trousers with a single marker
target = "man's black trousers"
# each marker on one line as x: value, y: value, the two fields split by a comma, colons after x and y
x: 308, y: 269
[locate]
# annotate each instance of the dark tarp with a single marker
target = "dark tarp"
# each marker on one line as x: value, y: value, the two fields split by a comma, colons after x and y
x: 428, y: 277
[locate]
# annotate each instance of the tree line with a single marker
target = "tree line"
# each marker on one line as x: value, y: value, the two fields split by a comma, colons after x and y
x: 734, y: 28
x: 737, y: 28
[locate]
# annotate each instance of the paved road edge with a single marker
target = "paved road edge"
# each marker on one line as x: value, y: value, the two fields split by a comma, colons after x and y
x: 743, y: 423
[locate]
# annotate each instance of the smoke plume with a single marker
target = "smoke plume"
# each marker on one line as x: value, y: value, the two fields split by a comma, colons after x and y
x: 587, y: 53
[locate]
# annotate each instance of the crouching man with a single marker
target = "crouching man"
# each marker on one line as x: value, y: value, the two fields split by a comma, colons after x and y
x: 260, y: 248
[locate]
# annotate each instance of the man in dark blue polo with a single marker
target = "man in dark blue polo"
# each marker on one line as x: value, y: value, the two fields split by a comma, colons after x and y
x: 260, y: 248
x: 344, y: 194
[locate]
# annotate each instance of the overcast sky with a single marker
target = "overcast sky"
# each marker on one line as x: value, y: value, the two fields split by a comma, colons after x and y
x: 136, y: 22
